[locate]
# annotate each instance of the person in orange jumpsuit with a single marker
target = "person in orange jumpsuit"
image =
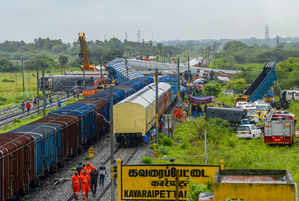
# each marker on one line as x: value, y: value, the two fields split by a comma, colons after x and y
x: 88, y: 170
x: 76, y: 179
x: 175, y: 113
x: 82, y: 170
x: 180, y: 114
x: 85, y: 180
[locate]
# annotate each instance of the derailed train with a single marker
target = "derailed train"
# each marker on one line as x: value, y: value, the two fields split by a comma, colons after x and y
x: 34, y: 150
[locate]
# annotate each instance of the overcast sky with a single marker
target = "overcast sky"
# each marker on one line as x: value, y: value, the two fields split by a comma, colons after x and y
x: 158, y: 19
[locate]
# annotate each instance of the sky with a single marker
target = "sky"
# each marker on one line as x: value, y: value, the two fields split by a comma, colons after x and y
x: 159, y: 20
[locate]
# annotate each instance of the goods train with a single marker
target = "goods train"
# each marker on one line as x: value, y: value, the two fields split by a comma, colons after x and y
x: 34, y: 150
x: 135, y: 116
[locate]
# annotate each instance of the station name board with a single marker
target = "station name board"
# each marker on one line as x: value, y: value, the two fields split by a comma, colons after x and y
x: 157, y: 182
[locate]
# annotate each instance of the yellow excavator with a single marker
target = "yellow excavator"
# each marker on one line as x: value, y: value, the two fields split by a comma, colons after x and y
x: 83, y: 54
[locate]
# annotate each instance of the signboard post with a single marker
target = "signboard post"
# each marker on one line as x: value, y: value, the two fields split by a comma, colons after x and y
x: 158, y: 182
x: 91, y: 152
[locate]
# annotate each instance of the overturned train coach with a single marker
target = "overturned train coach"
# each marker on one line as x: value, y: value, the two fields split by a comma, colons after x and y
x: 135, y: 116
x: 32, y: 151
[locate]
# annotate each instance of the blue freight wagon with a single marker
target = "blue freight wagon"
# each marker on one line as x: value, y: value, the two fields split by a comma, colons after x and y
x: 47, y: 145
x: 87, y: 114
x: 263, y: 83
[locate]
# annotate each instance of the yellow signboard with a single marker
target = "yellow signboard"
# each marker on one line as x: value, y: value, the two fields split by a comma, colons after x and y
x: 157, y: 182
x: 91, y: 152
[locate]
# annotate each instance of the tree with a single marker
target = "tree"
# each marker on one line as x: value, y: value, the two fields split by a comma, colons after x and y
x: 64, y: 59
x: 212, y: 88
x: 58, y: 48
x: 112, y: 54
x: 237, y: 84
x: 97, y: 52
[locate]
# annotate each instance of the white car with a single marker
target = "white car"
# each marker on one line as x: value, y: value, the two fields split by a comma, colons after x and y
x: 248, y: 131
x: 239, y: 104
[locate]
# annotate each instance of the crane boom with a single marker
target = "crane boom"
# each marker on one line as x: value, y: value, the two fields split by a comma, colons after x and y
x: 84, y: 55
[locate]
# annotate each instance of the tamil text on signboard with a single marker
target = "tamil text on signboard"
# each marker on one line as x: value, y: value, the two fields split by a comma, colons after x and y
x: 158, y: 181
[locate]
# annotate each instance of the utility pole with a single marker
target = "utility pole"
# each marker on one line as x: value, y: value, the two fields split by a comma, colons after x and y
x: 189, y: 75
x: 157, y: 107
x: 126, y: 61
x: 101, y: 75
x: 37, y: 96
x: 112, y: 144
x: 44, y: 97
x: 60, y: 66
x: 178, y: 62
x: 206, y: 147
x: 23, y: 74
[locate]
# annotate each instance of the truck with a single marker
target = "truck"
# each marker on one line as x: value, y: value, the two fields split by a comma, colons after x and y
x: 280, y: 128
x: 285, y: 96
x: 263, y: 83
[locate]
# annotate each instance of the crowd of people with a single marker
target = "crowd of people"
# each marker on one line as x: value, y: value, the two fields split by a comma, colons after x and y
x: 87, y: 177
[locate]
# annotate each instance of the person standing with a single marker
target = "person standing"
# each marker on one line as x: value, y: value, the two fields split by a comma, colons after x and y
x: 146, y: 140
x: 74, y: 92
x: 28, y: 107
x: 94, y: 179
x: 78, y: 93
x: 79, y: 168
x: 68, y: 94
x: 23, y: 107
x: 175, y: 113
x: 171, y: 130
x: 199, y: 110
x: 46, y: 102
x: 76, y: 180
x: 34, y: 101
x: 184, y: 116
x: 47, y: 93
x: 88, y: 169
x: 102, y: 173
x: 51, y: 102
x: 180, y: 114
x: 84, y: 184
x: 187, y: 108
x: 196, y: 110
x: 59, y: 102
x: 205, y: 109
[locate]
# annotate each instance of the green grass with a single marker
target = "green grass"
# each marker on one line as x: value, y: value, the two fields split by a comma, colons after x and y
x: 222, y: 144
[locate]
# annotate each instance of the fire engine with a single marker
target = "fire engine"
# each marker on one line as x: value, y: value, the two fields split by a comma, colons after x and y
x: 280, y: 128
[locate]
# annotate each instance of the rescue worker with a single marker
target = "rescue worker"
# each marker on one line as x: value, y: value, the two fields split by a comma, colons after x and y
x: 199, y: 110
x: 102, y: 173
x: 85, y: 180
x: 88, y: 169
x: 196, y: 110
x: 180, y: 114
x: 76, y: 180
x: 184, y: 115
x: 186, y: 108
x: 171, y: 130
x: 175, y: 113
x: 82, y: 170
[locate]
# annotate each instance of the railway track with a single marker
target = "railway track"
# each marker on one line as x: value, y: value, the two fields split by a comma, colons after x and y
x: 107, y: 187
x: 16, y: 113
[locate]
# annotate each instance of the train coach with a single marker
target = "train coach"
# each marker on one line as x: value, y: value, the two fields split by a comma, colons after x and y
x: 135, y: 116
x: 37, y: 149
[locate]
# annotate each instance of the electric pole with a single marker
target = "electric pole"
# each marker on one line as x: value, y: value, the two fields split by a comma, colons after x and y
x: 23, y: 74
x: 60, y: 66
x: 189, y: 75
x: 157, y: 107
x: 126, y: 61
x: 44, y: 97
x: 101, y: 75
x: 112, y: 144
x: 37, y: 93
x: 179, y: 82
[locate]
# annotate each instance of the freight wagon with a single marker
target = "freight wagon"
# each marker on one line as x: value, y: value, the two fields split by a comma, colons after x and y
x: 34, y: 150
x: 135, y: 116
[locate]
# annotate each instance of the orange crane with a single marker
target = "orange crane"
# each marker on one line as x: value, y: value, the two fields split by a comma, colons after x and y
x: 83, y: 54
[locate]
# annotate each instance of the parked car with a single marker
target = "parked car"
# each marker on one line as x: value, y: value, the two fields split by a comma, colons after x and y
x: 248, y: 131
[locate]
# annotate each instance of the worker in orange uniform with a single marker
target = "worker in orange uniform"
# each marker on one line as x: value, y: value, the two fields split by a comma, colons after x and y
x: 88, y: 170
x: 171, y: 130
x: 175, y: 113
x: 82, y: 170
x: 180, y: 114
x: 85, y: 180
x: 76, y: 179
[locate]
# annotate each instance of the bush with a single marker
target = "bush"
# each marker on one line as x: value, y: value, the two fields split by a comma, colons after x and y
x: 184, y: 145
x: 32, y: 116
x: 74, y: 168
x: 146, y: 159
x: 152, y: 146
x: 167, y: 141
x: 161, y: 141
x: 194, y: 189
x: 164, y: 150
x: 15, y: 121
x: 161, y: 135
x: 87, y: 158
x: 7, y: 80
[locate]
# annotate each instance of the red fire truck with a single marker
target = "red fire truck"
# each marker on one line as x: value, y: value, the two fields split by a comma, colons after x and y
x: 280, y: 129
